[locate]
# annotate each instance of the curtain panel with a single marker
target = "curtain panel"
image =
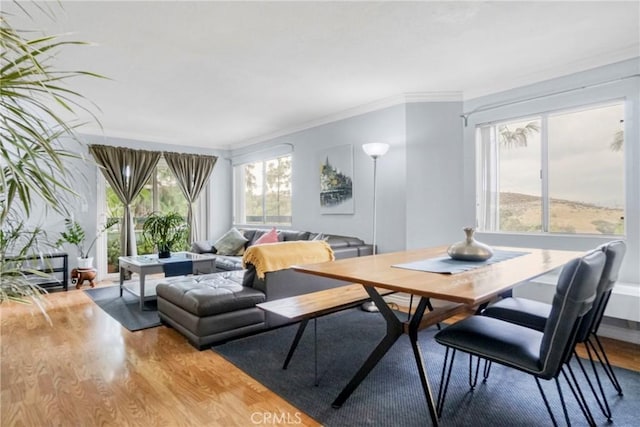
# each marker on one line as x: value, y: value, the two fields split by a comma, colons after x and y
x: 126, y: 170
x: 192, y: 172
x: 487, y: 194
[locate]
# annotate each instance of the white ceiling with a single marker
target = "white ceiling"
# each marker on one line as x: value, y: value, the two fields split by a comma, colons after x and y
x: 225, y: 74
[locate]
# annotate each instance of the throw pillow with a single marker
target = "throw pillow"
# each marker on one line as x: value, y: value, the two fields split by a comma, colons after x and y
x: 230, y: 243
x: 203, y: 247
x: 270, y: 237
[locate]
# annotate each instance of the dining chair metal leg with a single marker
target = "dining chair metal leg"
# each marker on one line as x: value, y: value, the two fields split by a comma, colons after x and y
x: 577, y: 393
x: 604, y: 361
x: 601, y: 399
x: 444, y: 383
x: 546, y: 402
x: 486, y: 370
x: 564, y: 405
x: 473, y: 378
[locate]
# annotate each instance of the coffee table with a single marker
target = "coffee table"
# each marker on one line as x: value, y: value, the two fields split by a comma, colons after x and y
x: 190, y: 263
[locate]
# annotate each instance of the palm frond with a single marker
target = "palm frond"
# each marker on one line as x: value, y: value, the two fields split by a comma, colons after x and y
x: 519, y: 136
x: 34, y: 162
x: 618, y: 141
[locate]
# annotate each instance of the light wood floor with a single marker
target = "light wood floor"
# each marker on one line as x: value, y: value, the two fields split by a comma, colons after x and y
x: 87, y: 370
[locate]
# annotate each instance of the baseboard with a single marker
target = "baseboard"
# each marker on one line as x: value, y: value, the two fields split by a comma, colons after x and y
x: 618, y: 329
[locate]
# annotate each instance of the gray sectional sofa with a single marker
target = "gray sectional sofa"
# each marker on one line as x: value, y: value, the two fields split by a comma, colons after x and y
x: 343, y: 246
x: 213, y: 308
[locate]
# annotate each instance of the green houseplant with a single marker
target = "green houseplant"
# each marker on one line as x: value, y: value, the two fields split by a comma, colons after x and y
x: 167, y: 232
x: 33, y: 160
x: 75, y: 235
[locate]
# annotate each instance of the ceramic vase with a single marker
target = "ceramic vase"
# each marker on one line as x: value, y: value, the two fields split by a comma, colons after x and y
x: 470, y: 249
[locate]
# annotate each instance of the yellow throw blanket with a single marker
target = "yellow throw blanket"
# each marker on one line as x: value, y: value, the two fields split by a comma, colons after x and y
x: 278, y: 256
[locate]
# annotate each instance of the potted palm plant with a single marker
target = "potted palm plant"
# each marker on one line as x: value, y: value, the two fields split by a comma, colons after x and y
x: 32, y: 159
x: 167, y: 232
x: 75, y: 235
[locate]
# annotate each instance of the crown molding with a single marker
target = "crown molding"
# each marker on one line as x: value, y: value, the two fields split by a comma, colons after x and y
x: 381, y: 104
x: 555, y: 71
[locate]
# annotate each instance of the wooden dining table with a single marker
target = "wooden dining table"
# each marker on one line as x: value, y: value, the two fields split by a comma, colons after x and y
x: 469, y: 289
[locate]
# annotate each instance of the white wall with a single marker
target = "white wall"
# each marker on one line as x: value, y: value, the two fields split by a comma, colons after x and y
x: 386, y: 125
x: 434, y: 174
x: 597, y: 85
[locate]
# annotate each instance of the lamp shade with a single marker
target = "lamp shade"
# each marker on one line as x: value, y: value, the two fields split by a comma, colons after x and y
x: 375, y: 149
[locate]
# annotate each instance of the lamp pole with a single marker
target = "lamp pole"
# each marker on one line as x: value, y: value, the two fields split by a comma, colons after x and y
x: 374, y: 150
x: 375, y: 207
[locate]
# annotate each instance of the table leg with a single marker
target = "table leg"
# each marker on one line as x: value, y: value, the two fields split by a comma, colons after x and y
x: 296, y: 340
x: 141, y: 289
x: 414, y: 326
x: 121, y: 279
x: 394, y: 331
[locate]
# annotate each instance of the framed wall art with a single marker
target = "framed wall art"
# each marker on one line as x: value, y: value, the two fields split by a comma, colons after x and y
x: 336, y: 180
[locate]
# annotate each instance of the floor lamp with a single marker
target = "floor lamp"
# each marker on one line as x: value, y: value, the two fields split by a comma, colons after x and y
x: 374, y: 150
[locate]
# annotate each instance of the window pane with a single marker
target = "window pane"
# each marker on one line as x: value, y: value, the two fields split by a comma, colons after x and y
x: 520, y: 198
x: 143, y: 207
x: 278, y: 196
x: 586, y: 171
x: 170, y: 197
x: 253, y: 193
x: 262, y: 192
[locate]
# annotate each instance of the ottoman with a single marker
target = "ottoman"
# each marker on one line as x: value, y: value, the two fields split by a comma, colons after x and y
x: 210, y: 308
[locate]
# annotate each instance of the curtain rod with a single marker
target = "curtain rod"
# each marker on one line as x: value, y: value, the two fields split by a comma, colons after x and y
x: 465, y: 116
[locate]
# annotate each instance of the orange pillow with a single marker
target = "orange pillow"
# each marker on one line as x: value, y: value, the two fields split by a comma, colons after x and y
x: 270, y: 237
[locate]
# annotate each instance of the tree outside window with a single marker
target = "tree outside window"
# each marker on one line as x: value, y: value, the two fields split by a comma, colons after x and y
x: 160, y: 194
x: 265, y: 188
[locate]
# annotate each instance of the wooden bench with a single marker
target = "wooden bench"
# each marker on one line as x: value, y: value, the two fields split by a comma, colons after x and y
x: 316, y: 304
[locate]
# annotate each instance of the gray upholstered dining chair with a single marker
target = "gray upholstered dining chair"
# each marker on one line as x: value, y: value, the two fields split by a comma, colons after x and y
x: 534, y: 314
x: 540, y: 354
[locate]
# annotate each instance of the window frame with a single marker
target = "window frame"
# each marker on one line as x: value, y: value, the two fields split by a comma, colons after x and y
x: 543, y: 116
x: 103, y: 211
x: 239, y: 189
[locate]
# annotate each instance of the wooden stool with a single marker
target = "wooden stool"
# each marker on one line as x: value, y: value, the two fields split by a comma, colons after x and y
x: 79, y: 275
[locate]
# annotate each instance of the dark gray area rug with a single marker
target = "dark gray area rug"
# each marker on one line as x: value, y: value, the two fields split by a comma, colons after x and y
x: 125, y: 309
x: 391, y: 395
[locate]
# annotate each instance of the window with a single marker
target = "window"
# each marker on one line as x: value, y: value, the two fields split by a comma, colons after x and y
x: 160, y: 194
x: 557, y: 172
x: 262, y: 192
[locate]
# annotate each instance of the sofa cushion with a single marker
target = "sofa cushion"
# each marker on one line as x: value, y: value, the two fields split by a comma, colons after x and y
x: 252, y: 235
x: 293, y: 235
x: 230, y: 242
x: 270, y: 237
x: 210, y: 294
x: 228, y: 263
x: 203, y: 247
